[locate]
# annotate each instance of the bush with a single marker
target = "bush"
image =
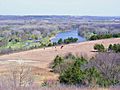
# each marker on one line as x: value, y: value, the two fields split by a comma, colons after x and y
x: 61, y: 63
x: 50, y: 44
x: 76, y: 75
x: 73, y: 75
x: 114, y: 48
x: 103, y: 70
x: 57, y: 61
x: 99, y: 47
x: 60, y: 41
x: 92, y: 77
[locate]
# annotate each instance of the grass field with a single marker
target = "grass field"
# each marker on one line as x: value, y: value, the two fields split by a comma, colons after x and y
x: 40, y: 59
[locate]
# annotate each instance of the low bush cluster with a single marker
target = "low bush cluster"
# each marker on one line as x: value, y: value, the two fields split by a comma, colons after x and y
x: 114, y: 48
x: 99, y: 71
x: 99, y: 47
x: 111, y: 48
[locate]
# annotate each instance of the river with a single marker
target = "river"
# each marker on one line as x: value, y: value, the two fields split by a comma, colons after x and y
x: 65, y: 35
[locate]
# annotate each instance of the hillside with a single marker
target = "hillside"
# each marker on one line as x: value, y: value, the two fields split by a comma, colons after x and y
x: 40, y: 59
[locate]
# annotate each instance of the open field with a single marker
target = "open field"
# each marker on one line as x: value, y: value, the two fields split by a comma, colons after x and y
x: 40, y: 59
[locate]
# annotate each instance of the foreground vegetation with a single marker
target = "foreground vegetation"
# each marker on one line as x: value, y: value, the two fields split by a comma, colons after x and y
x: 99, y: 71
x: 75, y: 72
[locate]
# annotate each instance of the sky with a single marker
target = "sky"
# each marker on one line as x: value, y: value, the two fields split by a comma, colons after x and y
x: 60, y: 7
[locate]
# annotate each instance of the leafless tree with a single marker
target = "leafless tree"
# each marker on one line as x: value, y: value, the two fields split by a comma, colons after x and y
x: 19, y: 76
x: 108, y: 64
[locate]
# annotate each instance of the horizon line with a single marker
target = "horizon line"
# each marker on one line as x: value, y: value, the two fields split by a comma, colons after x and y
x: 60, y: 15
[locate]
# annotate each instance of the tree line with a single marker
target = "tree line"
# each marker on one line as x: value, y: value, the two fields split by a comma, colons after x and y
x: 104, y: 36
x: 65, y: 41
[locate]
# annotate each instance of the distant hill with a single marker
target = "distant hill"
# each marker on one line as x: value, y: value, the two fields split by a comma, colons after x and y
x: 14, y: 17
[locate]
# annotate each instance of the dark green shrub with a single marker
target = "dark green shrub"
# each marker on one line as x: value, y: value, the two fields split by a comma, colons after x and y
x: 73, y: 75
x: 99, y: 47
x: 61, y: 63
x: 50, y: 44
x: 57, y: 64
x: 100, y: 71
x: 110, y: 47
x: 54, y: 43
x: 60, y: 41
x: 114, y: 48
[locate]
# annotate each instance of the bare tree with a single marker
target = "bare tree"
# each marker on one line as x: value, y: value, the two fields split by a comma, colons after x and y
x: 19, y: 76
x: 108, y: 64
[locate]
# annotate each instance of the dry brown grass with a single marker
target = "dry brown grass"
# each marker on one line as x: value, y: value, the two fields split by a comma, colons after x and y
x: 43, y: 57
x: 68, y: 88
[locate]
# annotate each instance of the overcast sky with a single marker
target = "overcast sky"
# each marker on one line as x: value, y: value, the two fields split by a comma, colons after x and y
x: 60, y: 7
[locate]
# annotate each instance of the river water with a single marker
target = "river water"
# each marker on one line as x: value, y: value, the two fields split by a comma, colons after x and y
x: 65, y: 35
